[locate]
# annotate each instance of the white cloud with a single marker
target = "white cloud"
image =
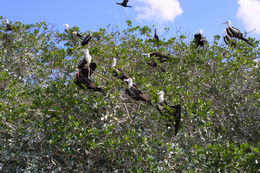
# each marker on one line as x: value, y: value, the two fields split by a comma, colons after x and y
x: 249, y: 13
x: 159, y: 11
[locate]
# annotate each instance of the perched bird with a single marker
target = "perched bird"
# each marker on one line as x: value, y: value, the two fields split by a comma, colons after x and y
x: 228, y: 39
x: 124, y: 3
x: 156, y: 37
x: 234, y: 32
x: 199, y: 39
x: 74, y: 33
x: 119, y: 73
x: 172, y: 114
x: 135, y: 93
x: 83, y: 82
x: 86, y: 65
x: 162, y: 58
x: 8, y: 25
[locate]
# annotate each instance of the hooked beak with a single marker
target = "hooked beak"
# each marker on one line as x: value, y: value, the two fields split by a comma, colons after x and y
x: 225, y: 22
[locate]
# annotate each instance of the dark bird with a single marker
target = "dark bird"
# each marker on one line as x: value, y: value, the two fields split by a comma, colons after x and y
x: 74, y: 33
x: 228, y: 39
x: 135, y: 93
x: 84, y: 83
x: 8, y: 25
x: 234, y: 32
x: 156, y: 37
x: 119, y: 73
x: 172, y: 114
x: 124, y: 3
x: 86, y: 40
x: 199, y: 39
x: 87, y: 67
x: 162, y: 58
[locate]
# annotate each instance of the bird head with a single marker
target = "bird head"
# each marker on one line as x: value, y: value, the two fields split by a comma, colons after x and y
x: 6, y: 21
x: 146, y: 54
x: 161, y: 95
x: 67, y: 26
x: 87, y: 56
x: 130, y: 82
x: 201, y: 31
x: 114, y: 62
x: 228, y: 22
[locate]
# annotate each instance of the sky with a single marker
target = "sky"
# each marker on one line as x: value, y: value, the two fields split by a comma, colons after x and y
x: 180, y: 16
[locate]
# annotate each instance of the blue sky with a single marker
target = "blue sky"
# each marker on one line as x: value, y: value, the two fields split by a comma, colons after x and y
x: 187, y: 15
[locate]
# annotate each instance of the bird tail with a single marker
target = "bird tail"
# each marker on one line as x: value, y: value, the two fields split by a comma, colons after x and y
x: 246, y: 40
x: 100, y: 90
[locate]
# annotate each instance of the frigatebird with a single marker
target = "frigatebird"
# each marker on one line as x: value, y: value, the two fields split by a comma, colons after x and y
x: 228, y: 38
x: 135, y: 93
x: 86, y: 65
x: 74, y: 33
x: 199, y: 39
x: 8, y: 25
x: 124, y: 3
x: 162, y: 58
x: 83, y: 82
x: 172, y: 114
x: 156, y: 37
x: 235, y: 32
x: 119, y: 73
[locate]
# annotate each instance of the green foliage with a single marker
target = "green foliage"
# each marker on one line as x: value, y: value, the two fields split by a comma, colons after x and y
x: 48, y: 124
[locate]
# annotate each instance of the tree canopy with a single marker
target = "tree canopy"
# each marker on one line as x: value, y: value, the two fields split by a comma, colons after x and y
x: 50, y: 124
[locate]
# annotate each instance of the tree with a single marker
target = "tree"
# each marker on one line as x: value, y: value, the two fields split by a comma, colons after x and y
x: 49, y: 124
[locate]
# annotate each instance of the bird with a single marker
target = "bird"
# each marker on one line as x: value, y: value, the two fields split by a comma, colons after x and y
x: 86, y: 40
x: 156, y: 37
x: 172, y: 114
x: 119, y: 73
x: 84, y: 83
x: 135, y: 93
x: 74, y: 33
x: 8, y: 25
x: 86, y: 65
x: 152, y: 63
x: 124, y: 3
x: 228, y: 39
x: 234, y: 32
x: 199, y: 39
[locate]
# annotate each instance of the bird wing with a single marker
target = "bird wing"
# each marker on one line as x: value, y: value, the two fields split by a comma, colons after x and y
x: 82, y: 63
x: 86, y: 40
x: 177, y: 117
x: 124, y: 3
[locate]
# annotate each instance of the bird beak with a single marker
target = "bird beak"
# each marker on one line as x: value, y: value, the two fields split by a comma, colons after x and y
x: 225, y: 22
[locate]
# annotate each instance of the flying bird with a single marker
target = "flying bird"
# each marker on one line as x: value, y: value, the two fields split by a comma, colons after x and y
x: 124, y: 3
x: 8, y: 25
x: 84, y: 83
x: 135, y: 93
x: 172, y: 114
x: 199, y: 39
x: 234, y: 32
x: 86, y: 65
